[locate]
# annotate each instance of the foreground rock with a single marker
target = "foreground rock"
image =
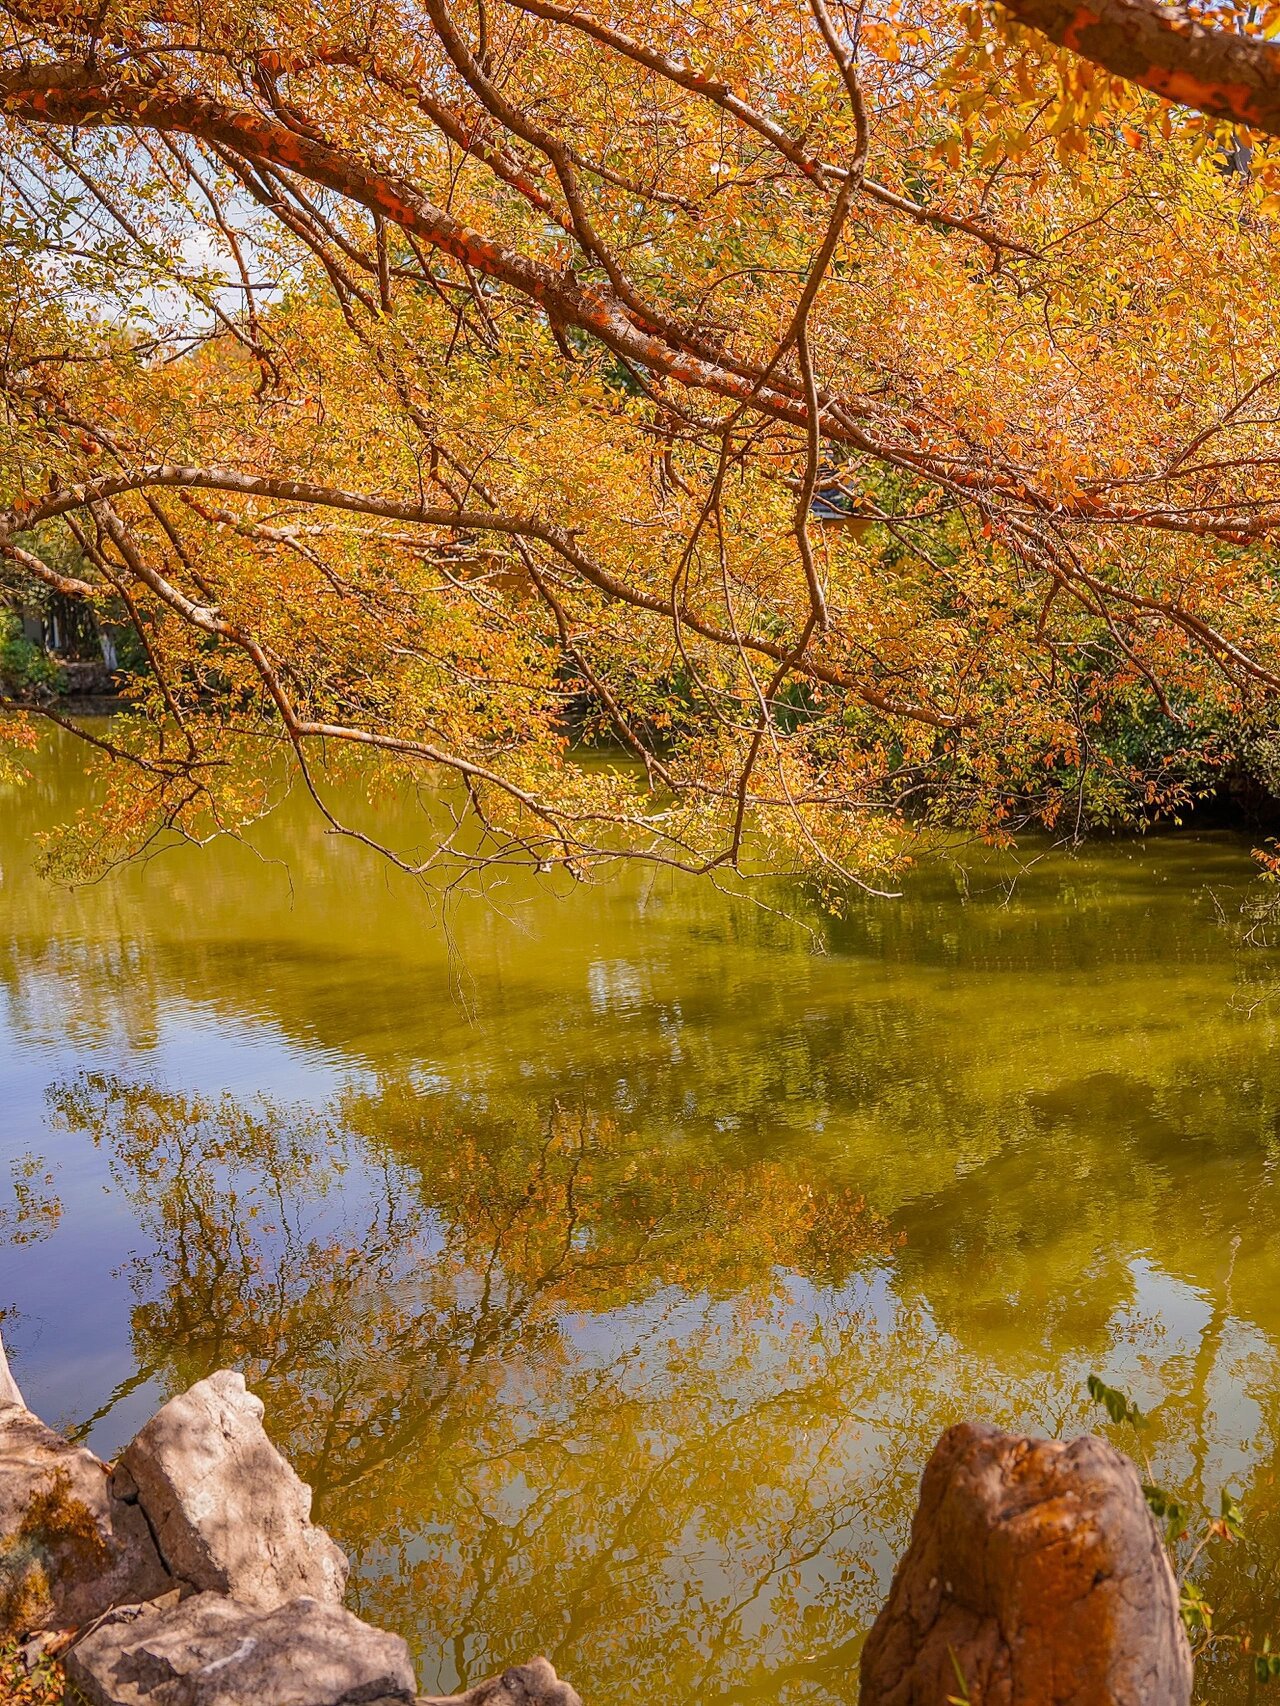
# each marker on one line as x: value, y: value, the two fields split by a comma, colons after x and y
x: 212, y: 1651
x: 534, y: 1684
x: 228, y: 1512
x: 9, y: 1393
x: 69, y: 1550
x: 193, y: 1573
x: 196, y: 1577
x: 1036, y: 1573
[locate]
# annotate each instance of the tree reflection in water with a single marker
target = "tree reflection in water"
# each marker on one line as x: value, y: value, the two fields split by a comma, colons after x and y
x: 562, y: 1386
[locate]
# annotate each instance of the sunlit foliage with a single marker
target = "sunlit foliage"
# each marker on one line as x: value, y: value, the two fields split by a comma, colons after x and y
x: 857, y: 417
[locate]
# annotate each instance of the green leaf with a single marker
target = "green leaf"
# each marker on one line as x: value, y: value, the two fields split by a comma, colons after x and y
x: 1118, y: 1406
x: 1232, y: 1515
x: 1158, y: 1500
x: 1196, y: 1611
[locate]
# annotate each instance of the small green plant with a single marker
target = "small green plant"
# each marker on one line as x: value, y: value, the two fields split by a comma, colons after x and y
x: 961, y: 1699
x: 1167, y: 1510
x: 40, y: 1685
x: 1185, y: 1547
x: 1266, y: 1664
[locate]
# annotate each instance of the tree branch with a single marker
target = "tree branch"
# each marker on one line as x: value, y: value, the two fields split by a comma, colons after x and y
x: 1165, y: 49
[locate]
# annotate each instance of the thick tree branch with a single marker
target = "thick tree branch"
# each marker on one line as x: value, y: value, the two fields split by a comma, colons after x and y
x: 1163, y: 48
x: 69, y: 94
x: 66, y: 94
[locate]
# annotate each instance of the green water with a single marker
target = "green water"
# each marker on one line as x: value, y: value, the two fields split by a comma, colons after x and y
x: 610, y: 1262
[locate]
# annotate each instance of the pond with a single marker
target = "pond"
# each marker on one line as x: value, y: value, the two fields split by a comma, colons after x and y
x: 610, y: 1261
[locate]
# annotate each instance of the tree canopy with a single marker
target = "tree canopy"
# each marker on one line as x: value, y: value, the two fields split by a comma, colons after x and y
x: 857, y: 416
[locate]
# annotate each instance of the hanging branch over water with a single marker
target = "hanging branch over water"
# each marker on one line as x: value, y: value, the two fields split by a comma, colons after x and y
x: 767, y: 403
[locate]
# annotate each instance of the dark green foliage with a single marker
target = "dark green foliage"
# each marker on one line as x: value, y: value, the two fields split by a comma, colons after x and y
x: 25, y: 670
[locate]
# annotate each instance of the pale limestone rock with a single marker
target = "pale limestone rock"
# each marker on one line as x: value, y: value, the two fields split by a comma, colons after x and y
x: 534, y: 1684
x: 1035, y: 1571
x: 228, y: 1512
x: 9, y: 1393
x: 213, y: 1651
x: 69, y: 1549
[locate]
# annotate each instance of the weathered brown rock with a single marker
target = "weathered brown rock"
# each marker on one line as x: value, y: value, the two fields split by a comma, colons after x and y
x: 212, y: 1651
x: 534, y: 1684
x: 1036, y: 1573
x: 228, y: 1512
x: 68, y: 1548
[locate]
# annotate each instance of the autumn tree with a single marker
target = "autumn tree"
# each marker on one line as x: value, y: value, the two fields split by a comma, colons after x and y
x: 856, y: 416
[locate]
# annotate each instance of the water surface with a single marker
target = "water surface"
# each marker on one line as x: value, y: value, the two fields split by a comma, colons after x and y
x: 610, y: 1262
